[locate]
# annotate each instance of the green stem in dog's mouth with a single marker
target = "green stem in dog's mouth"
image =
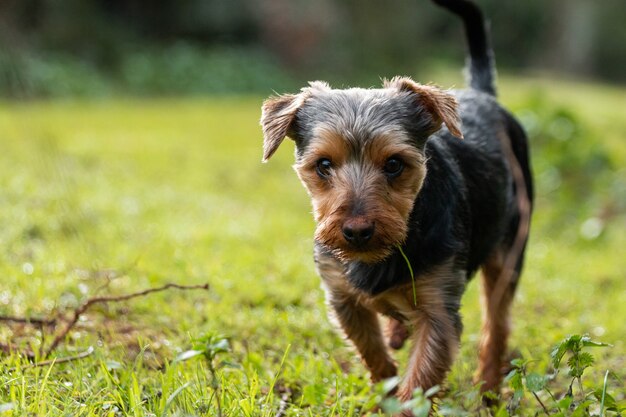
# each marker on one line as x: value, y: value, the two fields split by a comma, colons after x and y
x: 408, y: 264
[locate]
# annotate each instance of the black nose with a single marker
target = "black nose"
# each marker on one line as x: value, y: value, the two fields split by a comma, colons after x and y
x: 357, y: 232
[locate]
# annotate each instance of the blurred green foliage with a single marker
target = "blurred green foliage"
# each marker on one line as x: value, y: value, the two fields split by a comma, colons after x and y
x: 574, y: 161
x: 177, y: 69
x: 105, y: 47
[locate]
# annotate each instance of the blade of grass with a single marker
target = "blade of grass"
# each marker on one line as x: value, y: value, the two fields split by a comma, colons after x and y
x: 271, y: 390
x: 606, y: 378
x: 173, y: 396
x: 41, y: 401
x: 408, y: 264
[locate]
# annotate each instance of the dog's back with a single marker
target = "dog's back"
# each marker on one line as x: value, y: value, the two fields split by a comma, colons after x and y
x: 489, y: 131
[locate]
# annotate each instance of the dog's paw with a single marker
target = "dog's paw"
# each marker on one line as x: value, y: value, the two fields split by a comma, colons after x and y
x: 397, y: 333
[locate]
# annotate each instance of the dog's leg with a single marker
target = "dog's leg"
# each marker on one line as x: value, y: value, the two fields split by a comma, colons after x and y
x: 437, y: 330
x: 435, y: 344
x: 495, y: 326
x: 361, y: 325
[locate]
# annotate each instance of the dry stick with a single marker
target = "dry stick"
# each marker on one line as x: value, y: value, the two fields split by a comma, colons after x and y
x: 545, y: 410
x: 29, y: 320
x: 55, y: 361
x: 512, y: 257
x: 8, y: 348
x: 43, y: 340
x: 109, y: 299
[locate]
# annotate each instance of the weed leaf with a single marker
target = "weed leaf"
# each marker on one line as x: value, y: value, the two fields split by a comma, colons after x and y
x: 431, y: 391
x: 186, y: 355
x: 578, y: 363
x: 587, y: 342
x: 609, y: 401
x: 389, y: 384
x: 113, y: 365
x: 535, y: 382
x: 565, y: 403
x: 219, y: 346
x: 391, y: 405
x: 228, y: 364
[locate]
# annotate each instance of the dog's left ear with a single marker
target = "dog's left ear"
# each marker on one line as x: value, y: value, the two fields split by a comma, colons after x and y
x: 442, y: 106
x: 277, y: 116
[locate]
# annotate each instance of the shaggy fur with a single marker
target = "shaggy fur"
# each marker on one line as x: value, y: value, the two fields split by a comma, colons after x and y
x: 409, y: 169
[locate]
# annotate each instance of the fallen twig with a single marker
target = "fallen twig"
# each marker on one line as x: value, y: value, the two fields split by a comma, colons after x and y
x: 8, y: 348
x: 545, y: 410
x: 28, y: 320
x: 110, y: 299
x: 55, y: 361
x: 70, y: 322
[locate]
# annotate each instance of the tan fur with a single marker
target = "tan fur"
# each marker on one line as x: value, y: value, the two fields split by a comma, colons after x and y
x: 434, y: 338
x: 495, y: 326
x: 359, y: 323
x: 386, y: 204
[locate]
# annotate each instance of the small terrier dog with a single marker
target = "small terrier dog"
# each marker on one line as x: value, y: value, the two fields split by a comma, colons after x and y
x: 413, y: 190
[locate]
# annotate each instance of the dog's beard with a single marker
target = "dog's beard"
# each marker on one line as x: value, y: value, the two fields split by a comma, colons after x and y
x: 365, y: 256
x: 373, y: 252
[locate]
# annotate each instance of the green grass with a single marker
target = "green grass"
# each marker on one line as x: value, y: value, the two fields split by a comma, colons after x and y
x: 110, y: 197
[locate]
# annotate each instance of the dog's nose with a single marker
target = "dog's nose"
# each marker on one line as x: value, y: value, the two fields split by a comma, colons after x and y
x: 358, y: 231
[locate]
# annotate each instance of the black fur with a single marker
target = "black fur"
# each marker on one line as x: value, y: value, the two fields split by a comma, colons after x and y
x: 481, y: 62
x: 467, y: 205
x: 361, y: 114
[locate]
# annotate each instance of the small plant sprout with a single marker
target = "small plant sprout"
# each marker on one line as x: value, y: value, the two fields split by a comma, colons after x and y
x: 210, y: 346
x: 579, y: 360
x: 580, y: 404
x: 419, y: 404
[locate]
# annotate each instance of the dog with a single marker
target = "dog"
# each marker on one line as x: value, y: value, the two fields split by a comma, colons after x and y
x: 413, y: 190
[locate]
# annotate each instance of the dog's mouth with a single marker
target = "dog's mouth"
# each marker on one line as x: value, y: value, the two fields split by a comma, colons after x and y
x: 370, y: 253
x: 371, y: 256
x: 363, y: 239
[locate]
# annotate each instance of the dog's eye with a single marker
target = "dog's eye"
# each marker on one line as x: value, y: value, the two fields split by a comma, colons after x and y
x: 323, y: 167
x: 393, y: 167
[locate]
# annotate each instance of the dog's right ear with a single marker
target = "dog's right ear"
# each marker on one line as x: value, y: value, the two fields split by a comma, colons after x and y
x: 277, y: 118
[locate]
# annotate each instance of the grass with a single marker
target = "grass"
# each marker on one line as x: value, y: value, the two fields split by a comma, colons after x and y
x: 110, y: 197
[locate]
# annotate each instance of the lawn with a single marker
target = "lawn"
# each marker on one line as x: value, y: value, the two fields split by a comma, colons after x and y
x: 116, y: 196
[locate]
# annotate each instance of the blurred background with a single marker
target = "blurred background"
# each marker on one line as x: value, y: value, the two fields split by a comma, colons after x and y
x: 173, y: 47
x: 130, y: 155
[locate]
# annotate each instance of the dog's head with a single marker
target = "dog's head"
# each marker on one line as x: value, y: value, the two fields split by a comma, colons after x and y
x: 359, y: 153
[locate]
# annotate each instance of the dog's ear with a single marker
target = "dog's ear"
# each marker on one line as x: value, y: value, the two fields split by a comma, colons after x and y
x: 442, y: 106
x: 277, y: 116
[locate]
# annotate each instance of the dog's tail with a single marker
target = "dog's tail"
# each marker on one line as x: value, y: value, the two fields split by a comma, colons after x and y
x: 481, y: 62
